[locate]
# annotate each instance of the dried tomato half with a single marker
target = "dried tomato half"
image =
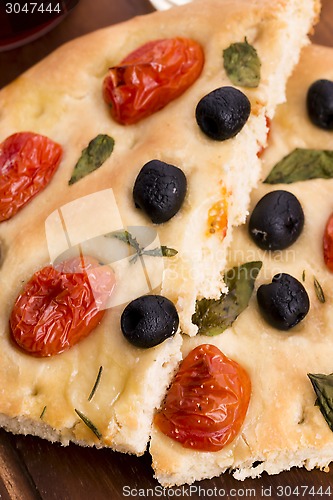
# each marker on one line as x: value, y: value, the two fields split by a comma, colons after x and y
x: 150, y: 77
x: 218, y: 216
x: 328, y: 243
x: 61, y: 305
x: 206, y: 404
x: 27, y: 164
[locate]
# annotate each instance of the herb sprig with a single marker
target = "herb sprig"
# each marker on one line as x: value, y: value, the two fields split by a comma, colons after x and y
x: 319, y: 291
x: 42, y: 413
x: 97, y: 381
x: 127, y: 237
x: 88, y: 423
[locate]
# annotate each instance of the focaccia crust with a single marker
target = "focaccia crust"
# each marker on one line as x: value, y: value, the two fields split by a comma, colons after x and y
x: 283, y: 427
x: 61, y: 98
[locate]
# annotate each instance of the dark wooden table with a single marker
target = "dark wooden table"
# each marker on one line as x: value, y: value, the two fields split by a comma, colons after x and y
x: 31, y: 468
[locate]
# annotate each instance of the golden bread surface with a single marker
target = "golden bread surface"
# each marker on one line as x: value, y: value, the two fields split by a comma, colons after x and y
x: 61, y: 98
x: 283, y: 427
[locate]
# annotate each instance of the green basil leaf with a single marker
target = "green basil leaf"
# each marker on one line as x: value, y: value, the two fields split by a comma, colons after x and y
x: 92, y: 157
x: 214, y: 316
x: 242, y: 64
x: 323, y: 387
x: 302, y: 165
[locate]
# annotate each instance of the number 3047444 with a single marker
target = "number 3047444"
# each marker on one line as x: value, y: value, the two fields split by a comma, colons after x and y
x: 32, y: 7
x: 304, y: 491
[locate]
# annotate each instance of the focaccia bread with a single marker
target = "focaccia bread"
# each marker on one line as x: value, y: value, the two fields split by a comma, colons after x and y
x: 283, y: 427
x: 61, y: 98
x: 39, y: 99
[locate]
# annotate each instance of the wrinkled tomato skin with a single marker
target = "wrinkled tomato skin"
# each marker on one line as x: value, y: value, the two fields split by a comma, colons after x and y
x: 328, y: 243
x: 61, y: 305
x: 150, y: 77
x: 207, y: 402
x: 28, y: 161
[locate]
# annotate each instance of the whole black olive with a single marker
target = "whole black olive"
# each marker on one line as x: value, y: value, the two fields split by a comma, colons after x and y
x: 149, y: 320
x: 159, y: 190
x: 276, y: 221
x: 222, y: 113
x: 284, y: 302
x: 320, y: 104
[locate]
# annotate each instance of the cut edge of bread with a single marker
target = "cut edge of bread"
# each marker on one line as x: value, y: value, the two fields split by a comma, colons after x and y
x: 131, y: 439
x: 295, y: 19
x: 272, y: 463
x: 161, y: 372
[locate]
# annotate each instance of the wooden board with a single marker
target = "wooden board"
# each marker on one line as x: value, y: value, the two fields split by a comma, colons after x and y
x: 31, y: 468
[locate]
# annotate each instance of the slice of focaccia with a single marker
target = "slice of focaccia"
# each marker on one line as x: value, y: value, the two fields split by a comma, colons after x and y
x: 284, y: 426
x: 103, y: 391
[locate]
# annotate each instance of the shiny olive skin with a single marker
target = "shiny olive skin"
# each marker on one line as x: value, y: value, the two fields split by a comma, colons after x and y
x: 319, y: 103
x: 284, y: 302
x: 149, y: 320
x: 276, y: 221
x: 222, y: 113
x: 160, y: 190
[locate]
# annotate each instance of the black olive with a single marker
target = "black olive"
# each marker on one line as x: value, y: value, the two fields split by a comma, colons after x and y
x: 284, y: 302
x: 222, y: 113
x: 159, y: 190
x: 276, y: 221
x: 320, y: 104
x: 149, y: 320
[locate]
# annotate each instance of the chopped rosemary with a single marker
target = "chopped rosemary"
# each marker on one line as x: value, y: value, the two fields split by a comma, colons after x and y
x: 43, y: 412
x: 303, y: 275
x: 89, y: 424
x: 93, y: 390
x: 319, y: 291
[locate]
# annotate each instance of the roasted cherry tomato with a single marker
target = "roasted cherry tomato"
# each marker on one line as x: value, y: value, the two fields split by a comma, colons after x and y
x: 328, y: 243
x: 218, y: 216
x: 150, y: 77
x: 206, y: 404
x: 27, y: 164
x: 61, y: 305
